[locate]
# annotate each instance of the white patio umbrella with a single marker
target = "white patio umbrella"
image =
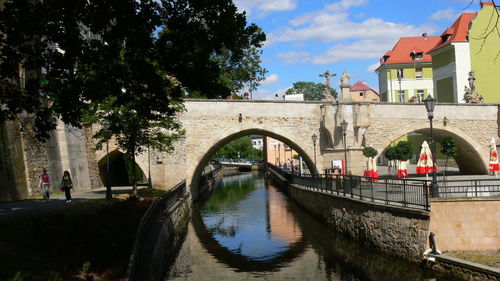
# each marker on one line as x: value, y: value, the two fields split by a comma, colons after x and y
x: 494, y: 166
x: 402, y: 169
x: 425, y: 163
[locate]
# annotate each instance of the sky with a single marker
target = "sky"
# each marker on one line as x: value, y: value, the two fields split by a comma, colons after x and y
x: 307, y: 37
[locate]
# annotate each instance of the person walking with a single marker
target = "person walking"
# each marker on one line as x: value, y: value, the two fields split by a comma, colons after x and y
x: 45, y: 185
x: 67, y: 185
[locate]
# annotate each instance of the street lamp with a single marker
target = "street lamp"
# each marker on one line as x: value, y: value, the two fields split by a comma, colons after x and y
x: 279, y: 154
x: 314, y: 138
x: 150, y: 185
x: 344, y: 124
x: 109, y: 194
x: 430, y: 103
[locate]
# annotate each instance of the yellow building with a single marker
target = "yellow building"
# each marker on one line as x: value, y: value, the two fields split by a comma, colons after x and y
x: 405, y: 72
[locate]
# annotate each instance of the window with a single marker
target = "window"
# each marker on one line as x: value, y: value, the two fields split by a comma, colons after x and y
x: 420, y: 95
x: 402, y: 96
x: 400, y: 74
x: 417, y: 56
x: 418, y: 73
x: 361, y: 94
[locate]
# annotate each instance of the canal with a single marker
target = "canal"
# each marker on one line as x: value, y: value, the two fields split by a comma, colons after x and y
x: 249, y: 230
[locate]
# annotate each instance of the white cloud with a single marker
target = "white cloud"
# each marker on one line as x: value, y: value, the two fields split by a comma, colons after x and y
x: 294, y: 57
x: 372, y: 67
x: 265, y: 6
x: 271, y: 80
x: 444, y: 15
x: 366, y: 39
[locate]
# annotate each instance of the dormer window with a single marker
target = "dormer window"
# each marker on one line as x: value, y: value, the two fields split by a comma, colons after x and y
x: 445, y: 37
x: 385, y: 58
x: 417, y: 55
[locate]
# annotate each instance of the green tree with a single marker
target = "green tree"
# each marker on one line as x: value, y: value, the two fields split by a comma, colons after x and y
x: 67, y: 48
x: 448, y: 148
x: 128, y: 62
x: 311, y: 90
x: 403, y: 151
x: 239, y: 148
x: 369, y: 152
x: 391, y: 155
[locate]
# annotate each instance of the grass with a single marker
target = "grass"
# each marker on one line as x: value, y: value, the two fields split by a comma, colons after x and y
x: 54, y: 244
x: 485, y: 258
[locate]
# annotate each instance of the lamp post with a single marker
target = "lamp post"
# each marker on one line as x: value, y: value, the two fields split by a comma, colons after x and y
x: 430, y: 103
x: 109, y: 194
x: 344, y: 125
x: 150, y: 185
x: 314, y: 138
x: 279, y: 155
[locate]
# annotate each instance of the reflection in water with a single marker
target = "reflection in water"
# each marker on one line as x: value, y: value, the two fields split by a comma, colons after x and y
x: 250, y: 220
x: 249, y: 230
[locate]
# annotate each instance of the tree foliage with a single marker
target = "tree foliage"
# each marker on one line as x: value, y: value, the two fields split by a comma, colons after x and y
x: 239, y: 148
x: 403, y: 151
x: 127, y: 62
x: 80, y: 53
x: 311, y: 90
x: 391, y: 153
x: 448, y: 148
x: 369, y: 152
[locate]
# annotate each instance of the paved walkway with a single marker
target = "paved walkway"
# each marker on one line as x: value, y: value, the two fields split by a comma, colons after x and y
x: 57, y: 201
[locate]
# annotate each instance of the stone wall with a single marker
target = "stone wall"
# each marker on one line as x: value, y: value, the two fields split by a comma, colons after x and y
x: 466, y: 224
x: 392, y: 230
x: 464, y: 270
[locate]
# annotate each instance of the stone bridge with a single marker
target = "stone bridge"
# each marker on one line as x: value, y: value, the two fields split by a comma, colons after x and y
x: 210, y: 124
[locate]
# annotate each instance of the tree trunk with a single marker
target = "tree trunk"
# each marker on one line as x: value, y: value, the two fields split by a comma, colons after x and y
x: 134, y: 179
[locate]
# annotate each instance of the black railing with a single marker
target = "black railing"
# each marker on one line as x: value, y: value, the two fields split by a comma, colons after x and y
x: 161, y: 204
x: 469, y: 188
x: 395, y: 192
x: 409, y: 193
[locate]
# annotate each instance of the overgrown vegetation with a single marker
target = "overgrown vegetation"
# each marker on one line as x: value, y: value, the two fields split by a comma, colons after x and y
x: 55, y: 244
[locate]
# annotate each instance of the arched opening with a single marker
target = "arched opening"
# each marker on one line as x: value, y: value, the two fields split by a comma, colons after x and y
x: 203, y: 162
x: 120, y: 169
x: 469, y: 160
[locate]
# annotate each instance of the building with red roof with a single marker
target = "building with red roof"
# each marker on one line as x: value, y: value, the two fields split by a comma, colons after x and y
x: 405, y: 72
x: 468, y: 46
x: 361, y: 92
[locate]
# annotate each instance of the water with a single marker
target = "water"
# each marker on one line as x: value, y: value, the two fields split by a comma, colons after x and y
x: 249, y: 230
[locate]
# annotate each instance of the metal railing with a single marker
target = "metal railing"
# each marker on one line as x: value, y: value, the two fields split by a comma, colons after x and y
x: 409, y: 193
x: 395, y: 192
x: 469, y: 188
x: 164, y: 202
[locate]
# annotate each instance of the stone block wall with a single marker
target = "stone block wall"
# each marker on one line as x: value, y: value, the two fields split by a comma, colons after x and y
x: 466, y: 224
x: 393, y: 230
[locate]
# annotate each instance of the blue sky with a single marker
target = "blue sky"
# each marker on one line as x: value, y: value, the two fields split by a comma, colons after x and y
x: 306, y: 38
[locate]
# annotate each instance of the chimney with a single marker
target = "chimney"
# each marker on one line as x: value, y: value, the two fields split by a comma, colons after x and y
x: 424, y: 35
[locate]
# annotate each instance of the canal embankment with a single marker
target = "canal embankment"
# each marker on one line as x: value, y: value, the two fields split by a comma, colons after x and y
x: 162, y: 229
x: 402, y: 232
x: 392, y: 230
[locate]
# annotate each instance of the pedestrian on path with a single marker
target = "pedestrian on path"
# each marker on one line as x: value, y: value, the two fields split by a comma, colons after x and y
x: 67, y: 185
x: 45, y: 185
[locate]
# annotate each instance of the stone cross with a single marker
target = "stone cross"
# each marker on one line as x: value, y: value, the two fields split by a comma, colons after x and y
x: 327, y: 94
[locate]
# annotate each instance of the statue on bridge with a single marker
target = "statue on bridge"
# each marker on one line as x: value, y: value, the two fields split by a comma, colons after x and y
x: 471, y: 95
x: 327, y: 94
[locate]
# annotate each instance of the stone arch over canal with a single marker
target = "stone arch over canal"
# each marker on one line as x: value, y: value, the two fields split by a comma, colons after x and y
x: 471, y: 154
x: 214, y: 143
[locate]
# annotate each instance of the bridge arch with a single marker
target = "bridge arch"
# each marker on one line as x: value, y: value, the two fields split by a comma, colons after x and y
x: 118, y: 168
x: 216, y: 143
x: 472, y: 157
